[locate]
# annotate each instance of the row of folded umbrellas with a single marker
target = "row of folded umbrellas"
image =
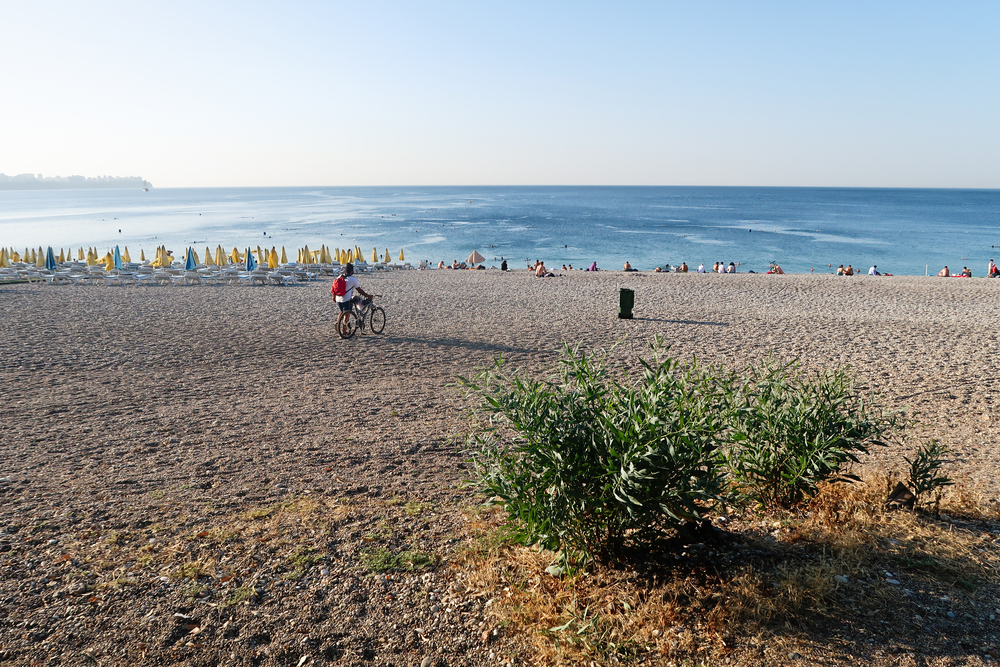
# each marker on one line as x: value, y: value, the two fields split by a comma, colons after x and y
x: 116, y: 259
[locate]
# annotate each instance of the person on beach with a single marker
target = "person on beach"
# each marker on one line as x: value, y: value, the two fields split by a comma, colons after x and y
x: 967, y: 272
x: 849, y: 271
x: 542, y: 272
x: 441, y: 264
x: 628, y: 267
x: 993, y: 271
x: 348, y: 298
x: 874, y: 270
x: 840, y: 270
x: 684, y: 267
x: 944, y: 273
x: 715, y: 268
x: 593, y: 267
x: 503, y: 264
x: 731, y: 268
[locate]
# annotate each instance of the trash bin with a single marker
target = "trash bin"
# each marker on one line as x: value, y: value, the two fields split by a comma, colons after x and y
x: 626, y: 299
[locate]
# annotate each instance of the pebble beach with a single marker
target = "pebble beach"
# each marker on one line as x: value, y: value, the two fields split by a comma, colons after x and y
x: 140, y: 421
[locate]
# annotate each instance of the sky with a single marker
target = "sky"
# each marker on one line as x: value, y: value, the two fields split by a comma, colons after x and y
x: 208, y: 94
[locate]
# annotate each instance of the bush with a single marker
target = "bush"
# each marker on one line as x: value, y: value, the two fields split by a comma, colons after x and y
x: 593, y: 465
x: 927, y: 461
x: 790, y: 431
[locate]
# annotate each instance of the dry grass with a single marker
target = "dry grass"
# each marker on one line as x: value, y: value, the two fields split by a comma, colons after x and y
x: 766, y: 592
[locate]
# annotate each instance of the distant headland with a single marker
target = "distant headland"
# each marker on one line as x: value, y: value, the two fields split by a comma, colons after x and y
x: 38, y: 182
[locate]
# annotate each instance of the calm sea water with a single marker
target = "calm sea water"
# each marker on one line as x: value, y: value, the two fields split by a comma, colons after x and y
x: 803, y: 229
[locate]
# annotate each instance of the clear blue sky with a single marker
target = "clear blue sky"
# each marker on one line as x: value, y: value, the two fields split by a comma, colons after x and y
x: 356, y: 93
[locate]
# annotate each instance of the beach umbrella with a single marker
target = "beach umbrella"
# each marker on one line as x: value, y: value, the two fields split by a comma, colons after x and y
x: 16, y: 257
x: 272, y: 259
x: 220, y: 256
x: 260, y: 256
x: 284, y: 257
x: 62, y: 256
x: 374, y: 255
x: 50, y: 260
x: 191, y: 263
x: 306, y: 255
x: 208, y: 256
x: 4, y: 262
x: 401, y: 258
x: 142, y: 254
x: 39, y: 257
x: 251, y: 263
x: 235, y: 256
x: 125, y: 256
x: 79, y: 255
x: 386, y: 257
x: 109, y: 261
x: 475, y: 258
x: 117, y: 259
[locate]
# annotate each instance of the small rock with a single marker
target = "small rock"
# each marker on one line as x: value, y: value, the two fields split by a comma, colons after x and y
x: 325, y: 572
x: 426, y: 662
x: 993, y: 617
x: 892, y: 582
x: 950, y: 614
x: 840, y: 579
x: 152, y: 540
x: 794, y: 656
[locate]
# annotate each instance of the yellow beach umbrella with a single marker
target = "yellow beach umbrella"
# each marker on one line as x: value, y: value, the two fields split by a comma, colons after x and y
x: 4, y: 262
x: 386, y: 256
x: 39, y: 257
x: 374, y: 255
x: 401, y: 258
x: 235, y: 256
x: 284, y: 257
x: 125, y: 256
x: 16, y: 257
x: 272, y: 259
x: 307, y: 255
x: 109, y: 262
x: 142, y: 254
x: 79, y: 255
x: 220, y: 256
x: 62, y: 256
x: 208, y: 257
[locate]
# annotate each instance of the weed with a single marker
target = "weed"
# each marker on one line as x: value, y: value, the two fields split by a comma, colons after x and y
x: 241, y: 594
x: 383, y: 560
x: 414, y: 508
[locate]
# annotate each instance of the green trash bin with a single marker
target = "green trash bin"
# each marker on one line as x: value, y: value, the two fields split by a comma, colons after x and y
x: 626, y: 299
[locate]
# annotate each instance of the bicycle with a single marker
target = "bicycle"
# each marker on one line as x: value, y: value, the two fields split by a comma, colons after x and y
x: 351, y: 321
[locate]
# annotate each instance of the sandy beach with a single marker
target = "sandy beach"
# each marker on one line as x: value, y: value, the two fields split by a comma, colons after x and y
x: 136, y: 421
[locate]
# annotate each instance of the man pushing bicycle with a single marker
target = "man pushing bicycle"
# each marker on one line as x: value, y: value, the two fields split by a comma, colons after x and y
x: 343, y: 289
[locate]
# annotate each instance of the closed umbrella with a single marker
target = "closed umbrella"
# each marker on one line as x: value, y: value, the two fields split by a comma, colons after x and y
x: 80, y: 254
x: 142, y: 254
x: 191, y: 263
x: 401, y: 258
x: 109, y: 261
x: 284, y: 257
x: 50, y: 260
x: 208, y: 256
x: 306, y: 255
x: 125, y: 256
x: 220, y: 256
x: 475, y: 258
x: 272, y: 259
x: 251, y: 262
x: 62, y: 256
x: 386, y: 258
x: 39, y: 257
x: 235, y: 256
x: 117, y: 259
x: 374, y: 255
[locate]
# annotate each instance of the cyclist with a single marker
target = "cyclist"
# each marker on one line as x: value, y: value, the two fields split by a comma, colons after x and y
x: 350, y: 284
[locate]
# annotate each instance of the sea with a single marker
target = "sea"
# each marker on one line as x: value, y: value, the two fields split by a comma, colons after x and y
x: 902, y: 231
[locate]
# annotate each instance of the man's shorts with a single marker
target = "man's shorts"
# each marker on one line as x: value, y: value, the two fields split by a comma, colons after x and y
x: 345, y: 305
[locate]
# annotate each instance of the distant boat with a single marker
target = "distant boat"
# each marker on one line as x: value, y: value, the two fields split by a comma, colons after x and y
x: 145, y: 189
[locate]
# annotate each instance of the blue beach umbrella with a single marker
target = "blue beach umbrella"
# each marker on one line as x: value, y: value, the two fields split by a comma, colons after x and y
x: 118, y: 259
x: 190, y: 265
x: 50, y: 260
x: 251, y: 262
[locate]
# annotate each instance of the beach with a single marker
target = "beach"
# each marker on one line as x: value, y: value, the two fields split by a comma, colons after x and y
x: 136, y: 419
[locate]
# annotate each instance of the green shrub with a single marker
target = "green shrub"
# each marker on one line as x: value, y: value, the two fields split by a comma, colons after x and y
x: 790, y: 430
x: 925, y: 466
x: 593, y: 465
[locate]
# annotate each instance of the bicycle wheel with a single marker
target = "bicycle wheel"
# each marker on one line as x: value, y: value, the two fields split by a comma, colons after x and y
x: 376, y: 320
x: 347, y: 324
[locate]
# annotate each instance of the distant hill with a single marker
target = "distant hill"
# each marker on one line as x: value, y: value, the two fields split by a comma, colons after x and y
x: 37, y: 182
